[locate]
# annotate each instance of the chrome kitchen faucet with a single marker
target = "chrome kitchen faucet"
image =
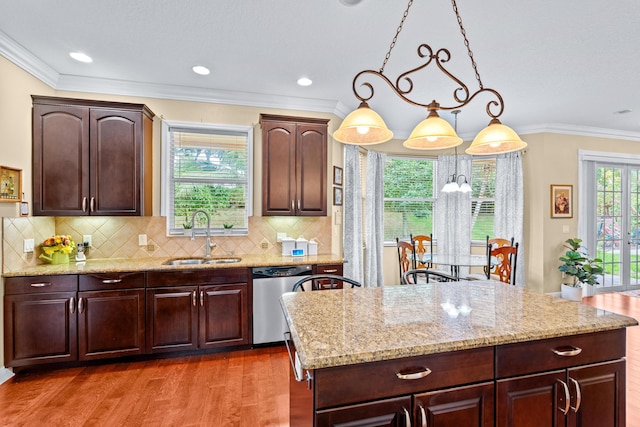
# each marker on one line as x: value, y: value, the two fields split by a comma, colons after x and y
x: 209, y: 244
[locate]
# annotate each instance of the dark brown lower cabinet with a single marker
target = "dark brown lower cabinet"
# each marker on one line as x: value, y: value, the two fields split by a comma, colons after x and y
x: 386, y: 413
x: 591, y: 395
x: 211, y: 310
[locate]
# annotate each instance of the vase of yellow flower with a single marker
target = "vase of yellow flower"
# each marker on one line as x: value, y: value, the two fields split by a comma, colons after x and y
x: 57, y: 249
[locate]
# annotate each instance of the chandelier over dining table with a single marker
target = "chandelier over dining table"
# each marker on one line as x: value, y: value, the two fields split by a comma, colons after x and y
x: 364, y: 126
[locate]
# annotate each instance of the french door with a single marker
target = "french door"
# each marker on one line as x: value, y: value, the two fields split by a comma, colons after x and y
x: 613, y: 225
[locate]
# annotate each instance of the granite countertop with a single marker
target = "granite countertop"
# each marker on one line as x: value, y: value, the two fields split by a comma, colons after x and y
x: 343, y: 327
x: 152, y: 264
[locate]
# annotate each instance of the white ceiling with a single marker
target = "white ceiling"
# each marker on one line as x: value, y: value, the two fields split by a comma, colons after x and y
x: 560, y: 65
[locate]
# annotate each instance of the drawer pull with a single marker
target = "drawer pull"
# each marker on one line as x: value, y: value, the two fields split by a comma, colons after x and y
x: 414, y: 375
x: 567, y: 351
x: 567, y: 398
x: 111, y: 281
x: 333, y: 270
x: 40, y: 285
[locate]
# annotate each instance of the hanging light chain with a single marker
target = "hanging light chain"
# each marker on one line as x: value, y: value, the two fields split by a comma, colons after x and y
x: 466, y: 43
x: 395, y: 38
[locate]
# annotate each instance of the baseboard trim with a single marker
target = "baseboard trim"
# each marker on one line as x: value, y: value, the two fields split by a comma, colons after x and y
x: 5, y: 374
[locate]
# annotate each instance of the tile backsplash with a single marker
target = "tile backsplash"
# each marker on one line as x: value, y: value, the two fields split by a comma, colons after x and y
x: 117, y: 237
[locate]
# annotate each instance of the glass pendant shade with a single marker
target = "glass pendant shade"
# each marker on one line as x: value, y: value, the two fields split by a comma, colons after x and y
x: 450, y: 187
x: 495, y: 139
x: 363, y: 126
x: 465, y: 187
x: 433, y: 133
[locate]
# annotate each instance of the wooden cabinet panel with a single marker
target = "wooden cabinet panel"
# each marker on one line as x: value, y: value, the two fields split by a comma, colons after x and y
x: 471, y: 406
x: 111, y: 323
x: 40, y: 328
x: 224, y: 317
x: 91, y: 157
x: 294, y: 166
x: 172, y: 319
x: 386, y: 413
x: 40, y: 284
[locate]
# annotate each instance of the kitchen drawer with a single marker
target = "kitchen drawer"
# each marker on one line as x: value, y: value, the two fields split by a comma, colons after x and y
x: 348, y: 384
x: 539, y: 356
x: 329, y: 269
x: 205, y: 276
x: 40, y: 284
x: 108, y: 281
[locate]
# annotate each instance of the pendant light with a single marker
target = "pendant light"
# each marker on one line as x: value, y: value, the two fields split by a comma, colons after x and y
x: 364, y: 126
x: 453, y: 183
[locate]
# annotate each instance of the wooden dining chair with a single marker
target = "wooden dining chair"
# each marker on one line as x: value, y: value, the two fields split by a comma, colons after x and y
x: 507, y: 261
x: 495, y: 242
x: 422, y: 245
x: 406, y: 259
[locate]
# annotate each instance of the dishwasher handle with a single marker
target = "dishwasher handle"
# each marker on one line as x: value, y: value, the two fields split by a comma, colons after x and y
x: 297, y: 373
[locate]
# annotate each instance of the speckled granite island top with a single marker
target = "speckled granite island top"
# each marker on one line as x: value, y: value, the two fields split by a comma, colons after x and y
x: 151, y: 264
x: 343, y: 327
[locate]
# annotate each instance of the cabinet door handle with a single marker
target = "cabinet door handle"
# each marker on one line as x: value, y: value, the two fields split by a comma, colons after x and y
x: 193, y: 298
x: 80, y: 305
x: 91, y: 203
x: 201, y: 298
x: 111, y: 281
x: 407, y: 417
x: 414, y: 375
x: 423, y: 416
x: 40, y: 285
x: 72, y: 305
x: 333, y: 270
x: 84, y: 204
x: 567, y: 397
x: 567, y: 351
x: 293, y: 207
x: 576, y: 384
x: 298, y: 204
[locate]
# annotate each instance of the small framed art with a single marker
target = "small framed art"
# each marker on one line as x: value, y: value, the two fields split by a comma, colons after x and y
x: 10, y: 184
x: 337, y: 196
x: 337, y: 175
x: 561, y: 201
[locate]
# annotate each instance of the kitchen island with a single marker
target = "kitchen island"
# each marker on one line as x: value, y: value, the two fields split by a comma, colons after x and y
x: 464, y: 353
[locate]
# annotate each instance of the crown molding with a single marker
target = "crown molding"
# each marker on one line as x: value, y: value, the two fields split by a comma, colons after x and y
x: 575, y: 130
x: 24, y: 59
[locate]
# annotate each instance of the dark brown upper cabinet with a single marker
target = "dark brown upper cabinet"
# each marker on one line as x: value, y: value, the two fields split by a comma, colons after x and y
x: 294, y: 166
x: 91, y: 157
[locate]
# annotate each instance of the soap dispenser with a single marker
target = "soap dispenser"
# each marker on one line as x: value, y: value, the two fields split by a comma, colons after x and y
x: 81, y: 257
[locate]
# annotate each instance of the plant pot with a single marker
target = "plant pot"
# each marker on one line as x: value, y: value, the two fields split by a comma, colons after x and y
x: 571, y: 293
x: 59, y: 258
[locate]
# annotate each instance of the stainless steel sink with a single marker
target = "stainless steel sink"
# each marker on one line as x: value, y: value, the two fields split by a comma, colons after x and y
x: 185, y: 261
x: 196, y: 261
x: 232, y: 260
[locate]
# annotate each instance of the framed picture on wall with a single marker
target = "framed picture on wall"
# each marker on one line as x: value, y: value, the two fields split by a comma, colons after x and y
x: 561, y: 201
x: 337, y: 196
x: 337, y: 175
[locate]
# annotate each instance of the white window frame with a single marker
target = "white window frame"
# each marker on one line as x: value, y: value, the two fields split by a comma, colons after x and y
x: 167, y: 158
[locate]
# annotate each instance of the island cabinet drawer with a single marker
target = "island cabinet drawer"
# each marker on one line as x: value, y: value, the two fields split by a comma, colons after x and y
x: 205, y: 276
x: 558, y: 353
x: 349, y: 384
x: 108, y: 281
x: 40, y: 284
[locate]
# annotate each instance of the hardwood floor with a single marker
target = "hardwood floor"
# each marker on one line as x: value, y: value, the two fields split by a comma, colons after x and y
x: 244, y: 388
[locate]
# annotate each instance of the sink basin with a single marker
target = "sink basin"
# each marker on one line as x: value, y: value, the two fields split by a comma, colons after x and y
x: 222, y: 260
x: 185, y: 261
x: 196, y: 261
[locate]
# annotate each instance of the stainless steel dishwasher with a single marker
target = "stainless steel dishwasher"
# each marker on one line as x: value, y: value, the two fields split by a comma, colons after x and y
x: 269, y: 324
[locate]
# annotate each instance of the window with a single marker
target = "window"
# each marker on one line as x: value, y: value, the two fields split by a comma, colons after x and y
x: 409, y: 197
x: 483, y: 184
x: 207, y: 167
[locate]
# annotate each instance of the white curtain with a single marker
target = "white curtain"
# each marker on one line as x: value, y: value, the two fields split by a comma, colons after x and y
x: 374, y: 219
x: 352, y: 204
x: 452, y: 228
x: 509, y: 206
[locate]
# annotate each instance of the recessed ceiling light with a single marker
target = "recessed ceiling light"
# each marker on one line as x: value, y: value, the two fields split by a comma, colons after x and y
x: 79, y: 56
x: 202, y: 70
x: 304, y: 81
x: 625, y: 111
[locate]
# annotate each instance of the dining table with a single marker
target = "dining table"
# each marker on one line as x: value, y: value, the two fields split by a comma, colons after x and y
x: 455, y: 261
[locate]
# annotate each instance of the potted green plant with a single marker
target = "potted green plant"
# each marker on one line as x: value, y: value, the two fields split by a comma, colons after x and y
x: 579, y: 268
x: 187, y: 225
x: 227, y: 228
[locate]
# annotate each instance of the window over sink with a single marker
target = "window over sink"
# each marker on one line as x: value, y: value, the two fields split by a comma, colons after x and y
x: 207, y: 167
